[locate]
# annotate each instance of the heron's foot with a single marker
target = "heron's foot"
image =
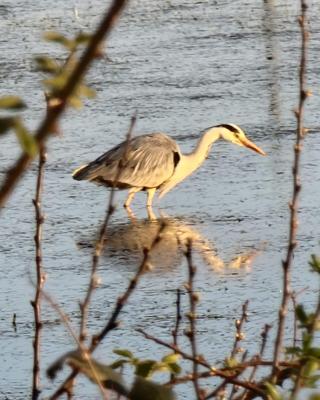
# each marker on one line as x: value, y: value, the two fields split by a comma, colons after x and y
x: 151, y: 215
x: 130, y: 213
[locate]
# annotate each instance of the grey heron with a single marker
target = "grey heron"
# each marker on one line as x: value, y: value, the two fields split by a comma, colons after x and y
x: 154, y: 161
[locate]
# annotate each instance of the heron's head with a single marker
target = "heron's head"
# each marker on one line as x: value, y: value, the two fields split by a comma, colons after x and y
x: 232, y: 133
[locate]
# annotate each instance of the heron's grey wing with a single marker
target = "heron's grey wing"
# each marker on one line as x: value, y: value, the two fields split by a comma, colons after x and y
x: 146, y: 161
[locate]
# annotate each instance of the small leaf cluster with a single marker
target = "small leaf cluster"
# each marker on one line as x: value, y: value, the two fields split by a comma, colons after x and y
x: 15, y: 123
x: 307, y: 353
x: 107, y: 377
x: 59, y: 71
x: 146, y: 368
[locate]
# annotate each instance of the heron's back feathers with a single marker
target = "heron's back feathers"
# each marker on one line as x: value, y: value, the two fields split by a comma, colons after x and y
x: 145, y: 161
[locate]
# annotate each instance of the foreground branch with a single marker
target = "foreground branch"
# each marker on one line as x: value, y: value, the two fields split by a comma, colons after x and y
x: 36, y: 303
x: 47, y: 126
x: 292, y: 241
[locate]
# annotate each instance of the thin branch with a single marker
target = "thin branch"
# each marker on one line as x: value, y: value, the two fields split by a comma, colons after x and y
x: 239, y: 334
x: 36, y: 303
x: 178, y: 318
x: 100, y: 243
x: 175, y: 331
x: 311, y: 332
x: 264, y: 336
x: 213, y: 371
x: 292, y: 241
x: 47, y: 126
x: 238, y: 337
x: 112, y: 322
x: 84, y: 351
x: 191, y: 333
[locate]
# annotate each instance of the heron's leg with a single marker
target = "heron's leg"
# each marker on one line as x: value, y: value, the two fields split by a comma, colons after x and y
x: 131, y: 215
x: 151, y: 214
x: 131, y: 194
x: 151, y: 193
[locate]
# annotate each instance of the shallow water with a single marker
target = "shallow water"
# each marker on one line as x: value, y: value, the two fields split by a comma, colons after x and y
x: 184, y: 66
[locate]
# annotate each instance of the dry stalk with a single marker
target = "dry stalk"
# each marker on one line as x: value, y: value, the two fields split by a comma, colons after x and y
x: 214, y: 372
x: 100, y: 243
x: 238, y: 337
x: 36, y: 303
x: 192, y: 315
x: 239, y: 334
x: 175, y: 331
x: 292, y: 241
x: 84, y: 351
x: 258, y: 358
x: 48, y: 125
x: 293, y: 297
x: 311, y: 332
x: 112, y: 322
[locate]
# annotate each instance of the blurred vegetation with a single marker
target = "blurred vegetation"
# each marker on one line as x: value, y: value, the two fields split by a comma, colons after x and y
x: 298, y: 367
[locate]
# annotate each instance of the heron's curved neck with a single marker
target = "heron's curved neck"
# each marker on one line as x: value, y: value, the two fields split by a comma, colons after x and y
x: 199, y: 154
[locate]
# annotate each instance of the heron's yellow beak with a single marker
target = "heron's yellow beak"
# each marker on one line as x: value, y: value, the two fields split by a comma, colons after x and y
x: 250, y: 145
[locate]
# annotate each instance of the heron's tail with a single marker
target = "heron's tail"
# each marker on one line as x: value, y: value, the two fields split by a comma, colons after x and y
x: 85, y: 172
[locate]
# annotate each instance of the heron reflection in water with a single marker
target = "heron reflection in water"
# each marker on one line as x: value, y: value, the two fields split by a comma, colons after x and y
x: 154, y: 162
x: 128, y: 240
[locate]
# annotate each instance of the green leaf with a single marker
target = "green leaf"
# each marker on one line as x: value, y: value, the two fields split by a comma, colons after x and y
x: 47, y: 64
x: 147, y: 390
x: 306, y: 342
x: 313, y: 352
x: 272, y: 391
x: 231, y: 362
x: 86, y: 91
x: 6, y: 124
x: 293, y: 350
x: 92, y: 369
x: 124, y: 353
x: 56, y: 83
x: 26, y: 140
x: 315, y: 263
x: 11, y: 103
x: 119, y: 363
x: 83, y: 38
x: 57, y: 37
x: 314, y: 396
x: 301, y: 314
x: 144, y: 368
x: 310, y: 368
x: 75, y: 102
x: 174, y: 368
x: 171, y: 358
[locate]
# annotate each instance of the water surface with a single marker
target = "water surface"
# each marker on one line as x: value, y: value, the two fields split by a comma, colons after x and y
x: 184, y: 66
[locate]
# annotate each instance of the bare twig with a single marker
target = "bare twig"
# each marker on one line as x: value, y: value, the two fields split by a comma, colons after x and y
x: 293, y: 297
x: 175, y: 331
x: 264, y: 336
x: 191, y: 333
x: 238, y: 337
x: 239, y: 334
x: 47, y: 126
x: 311, y: 332
x: 36, y: 303
x: 84, y: 351
x: 100, y: 243
x: 112, y: 322
x: 213, y: 371
x: 292, y: 241
x: 178, y: 318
